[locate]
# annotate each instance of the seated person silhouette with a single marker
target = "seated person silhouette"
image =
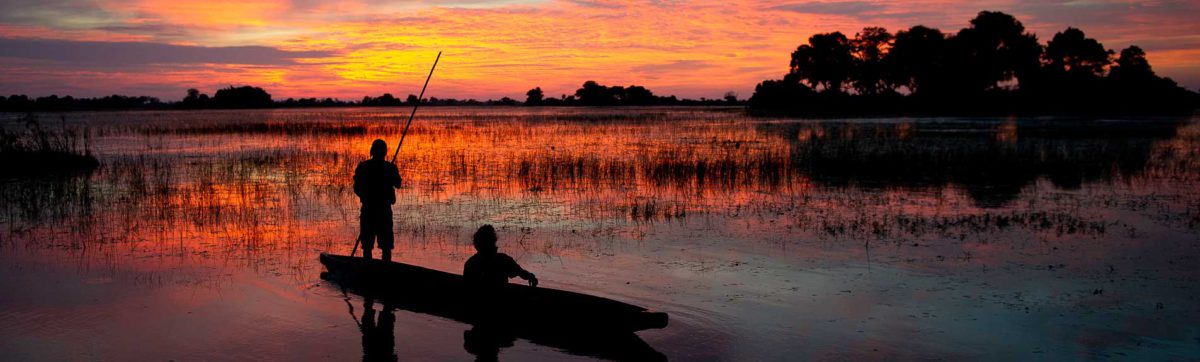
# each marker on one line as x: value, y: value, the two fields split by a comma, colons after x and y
x: 489, y: 268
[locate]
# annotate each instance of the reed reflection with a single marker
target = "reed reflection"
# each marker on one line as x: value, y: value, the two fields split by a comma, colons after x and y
x: 262, y: 191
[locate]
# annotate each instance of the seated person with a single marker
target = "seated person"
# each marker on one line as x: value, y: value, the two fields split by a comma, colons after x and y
x: 490, y: 268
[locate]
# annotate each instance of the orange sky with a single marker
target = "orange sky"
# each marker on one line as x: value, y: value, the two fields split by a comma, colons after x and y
x: 351, y: 48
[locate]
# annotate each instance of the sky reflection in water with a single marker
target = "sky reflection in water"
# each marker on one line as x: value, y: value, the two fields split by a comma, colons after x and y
x: 763, y: 238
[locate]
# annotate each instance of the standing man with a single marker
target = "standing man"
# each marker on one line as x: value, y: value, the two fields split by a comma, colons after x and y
x: 375, y: 181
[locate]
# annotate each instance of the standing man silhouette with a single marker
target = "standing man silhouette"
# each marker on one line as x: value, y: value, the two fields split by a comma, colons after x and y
x: 375, y: 181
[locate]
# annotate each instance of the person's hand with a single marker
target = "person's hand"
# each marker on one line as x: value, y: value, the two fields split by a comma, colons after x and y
x: 532, y: 281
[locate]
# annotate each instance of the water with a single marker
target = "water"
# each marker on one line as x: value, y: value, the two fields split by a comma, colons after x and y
x: 764, y: 239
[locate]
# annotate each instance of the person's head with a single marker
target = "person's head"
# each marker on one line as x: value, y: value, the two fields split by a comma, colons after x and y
x: 378, y: 149
x: 485, y: 239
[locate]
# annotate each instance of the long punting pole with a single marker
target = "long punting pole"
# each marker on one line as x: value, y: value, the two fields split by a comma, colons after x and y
x: 414, y: 111
x: 405, y: 132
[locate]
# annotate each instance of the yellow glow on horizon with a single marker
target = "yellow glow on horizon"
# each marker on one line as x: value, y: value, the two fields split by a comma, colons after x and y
x: 503, y: 48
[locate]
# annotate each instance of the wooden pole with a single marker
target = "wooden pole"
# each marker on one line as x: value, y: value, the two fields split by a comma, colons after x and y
x: 414, y: 111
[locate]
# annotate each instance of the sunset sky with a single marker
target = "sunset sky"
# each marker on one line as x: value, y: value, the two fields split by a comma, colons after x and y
x: 351, y: 48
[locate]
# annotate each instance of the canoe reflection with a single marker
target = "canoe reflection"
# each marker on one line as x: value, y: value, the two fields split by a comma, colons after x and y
x: 488, y: 336
x: 485, y: 341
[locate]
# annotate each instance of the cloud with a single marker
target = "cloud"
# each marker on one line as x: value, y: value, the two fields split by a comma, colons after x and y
x: 71, y: 14
x: 159, y: 31
x: 675, y: 66
x: 135, y: 54
x: 596, y: 4
x: 499, y: 48
x: 848, y: 8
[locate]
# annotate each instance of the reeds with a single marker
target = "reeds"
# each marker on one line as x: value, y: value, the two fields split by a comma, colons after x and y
x: 255, y: 183
x: 34, y: 150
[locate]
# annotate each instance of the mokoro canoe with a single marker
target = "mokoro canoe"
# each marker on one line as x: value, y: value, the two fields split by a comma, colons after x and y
x: 517, y: 306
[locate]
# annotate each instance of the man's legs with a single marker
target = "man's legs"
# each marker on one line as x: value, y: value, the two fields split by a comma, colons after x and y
x: 366, y: 231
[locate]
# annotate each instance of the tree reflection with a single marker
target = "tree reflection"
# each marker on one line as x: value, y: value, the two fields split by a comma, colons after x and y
x: 991, y: 163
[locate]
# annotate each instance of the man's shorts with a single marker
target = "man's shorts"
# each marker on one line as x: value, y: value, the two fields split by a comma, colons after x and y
x: 375, y: 224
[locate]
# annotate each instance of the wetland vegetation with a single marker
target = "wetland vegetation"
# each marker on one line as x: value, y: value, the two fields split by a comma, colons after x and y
x: 800, y: 235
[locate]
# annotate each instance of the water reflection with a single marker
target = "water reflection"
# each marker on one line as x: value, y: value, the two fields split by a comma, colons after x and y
x: 493, y: 326
x: 682, y: 208
x: 992, y: 162
x: 378, y: 333
x: 485, y: 342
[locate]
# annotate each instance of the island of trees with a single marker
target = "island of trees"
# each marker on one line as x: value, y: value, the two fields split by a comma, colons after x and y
x: 992, y: 67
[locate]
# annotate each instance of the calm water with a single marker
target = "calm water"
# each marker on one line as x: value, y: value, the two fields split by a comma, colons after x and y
x: 764, y: 239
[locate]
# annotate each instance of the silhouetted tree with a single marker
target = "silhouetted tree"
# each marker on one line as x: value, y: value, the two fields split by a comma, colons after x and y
x: 780, y: 94
x: 730, y: 97
x: 505, y: 101
x: 994, y: 49
x: 826, y: 61
x: 1133, y: 80
x: 1071, y: 52
x: 385, y: 100
x: 534, y: 97
x: 869, y: 48
x: 637, y: 96
x: 594, y: 94
x: 195, y: 99
x: 1132, y: 67
x: 242, y: 97
x: 915, y: 60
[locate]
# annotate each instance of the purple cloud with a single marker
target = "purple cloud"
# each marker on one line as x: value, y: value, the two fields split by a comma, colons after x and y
x: 135, y: 54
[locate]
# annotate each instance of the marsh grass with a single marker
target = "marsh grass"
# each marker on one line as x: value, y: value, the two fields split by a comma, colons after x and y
x: 256, y: 185
x: 35, y: 150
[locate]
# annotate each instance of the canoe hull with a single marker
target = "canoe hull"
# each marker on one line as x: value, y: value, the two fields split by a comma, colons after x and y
x: 517, y: 306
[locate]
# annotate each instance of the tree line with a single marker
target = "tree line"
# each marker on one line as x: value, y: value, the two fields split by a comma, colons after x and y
x: 245, y: 97
x: 592, y: 93
x: 242, y: 97
x: 993, y: 66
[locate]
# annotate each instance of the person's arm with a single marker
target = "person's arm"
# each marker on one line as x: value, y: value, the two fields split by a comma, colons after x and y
x: 515, y: 270
x: 525, y: 274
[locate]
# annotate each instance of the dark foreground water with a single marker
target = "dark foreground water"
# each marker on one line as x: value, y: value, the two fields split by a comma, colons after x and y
x: 764, y: 239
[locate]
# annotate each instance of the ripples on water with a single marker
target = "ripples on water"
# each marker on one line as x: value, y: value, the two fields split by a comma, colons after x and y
x: 764, y: 238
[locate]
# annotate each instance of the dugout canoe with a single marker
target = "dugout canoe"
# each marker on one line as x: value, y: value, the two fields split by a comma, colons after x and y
x: 518, y: 306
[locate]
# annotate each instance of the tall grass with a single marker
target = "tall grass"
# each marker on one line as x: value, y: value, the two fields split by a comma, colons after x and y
x: 251, y: 185
x: 34, y: 150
